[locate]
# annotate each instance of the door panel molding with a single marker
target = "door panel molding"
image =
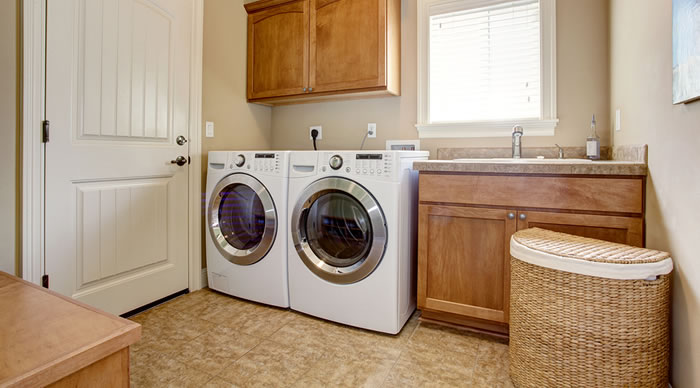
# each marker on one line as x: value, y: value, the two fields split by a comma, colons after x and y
x: 124, y: 78
x: 112, y: 225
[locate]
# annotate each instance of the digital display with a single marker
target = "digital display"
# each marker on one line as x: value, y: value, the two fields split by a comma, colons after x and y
x: 264, y: 156
x: 368, y: 156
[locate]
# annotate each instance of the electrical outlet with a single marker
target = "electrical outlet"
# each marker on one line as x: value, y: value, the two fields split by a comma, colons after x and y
x: 372, y: 130
x: 618, y: 120
x: 320, y: 132
x: 210, y: 129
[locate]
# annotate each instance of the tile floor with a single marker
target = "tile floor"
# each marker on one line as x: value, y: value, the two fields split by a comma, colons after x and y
x: 207, y: 339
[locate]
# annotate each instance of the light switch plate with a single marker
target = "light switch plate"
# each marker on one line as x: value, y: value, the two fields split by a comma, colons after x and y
x: 210, y: 129
x: 617, y: 120
x: 372, y: 130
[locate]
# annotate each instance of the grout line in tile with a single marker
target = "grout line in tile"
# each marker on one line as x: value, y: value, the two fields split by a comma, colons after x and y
x: 234, y: 361
x: 388, y: 374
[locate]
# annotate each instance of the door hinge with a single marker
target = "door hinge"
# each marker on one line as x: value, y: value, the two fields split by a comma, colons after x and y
x: 45, y: 281
x: 45, y: 131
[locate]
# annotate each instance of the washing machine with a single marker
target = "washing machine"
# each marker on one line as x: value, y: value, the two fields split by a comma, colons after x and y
x: 246, y: 218
x: 352, y: 236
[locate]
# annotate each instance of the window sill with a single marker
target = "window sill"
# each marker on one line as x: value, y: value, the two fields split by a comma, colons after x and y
x: 531, y: 127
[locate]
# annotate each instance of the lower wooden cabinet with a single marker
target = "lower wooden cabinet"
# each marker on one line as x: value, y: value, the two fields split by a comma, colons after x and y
x: 464, y: 249
x: 463, y: 261
x: 623, y: 230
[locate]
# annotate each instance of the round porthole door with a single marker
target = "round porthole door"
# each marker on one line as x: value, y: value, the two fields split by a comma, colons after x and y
x: 339, y: 230
x: 242, y: 219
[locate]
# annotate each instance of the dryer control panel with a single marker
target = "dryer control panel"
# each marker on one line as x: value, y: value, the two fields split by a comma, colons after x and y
x: 265, y: 162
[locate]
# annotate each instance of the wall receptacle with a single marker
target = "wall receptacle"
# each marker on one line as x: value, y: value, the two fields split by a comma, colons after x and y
x: 319, y: 128
x: 372, y: 130
x: 210, y: 129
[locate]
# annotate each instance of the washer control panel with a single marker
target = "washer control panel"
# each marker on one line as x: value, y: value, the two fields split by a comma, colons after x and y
x: 374, y: 164
x: 256, y: 161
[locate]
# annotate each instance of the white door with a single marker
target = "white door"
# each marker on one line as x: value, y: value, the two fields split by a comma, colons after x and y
x: 117, y: 86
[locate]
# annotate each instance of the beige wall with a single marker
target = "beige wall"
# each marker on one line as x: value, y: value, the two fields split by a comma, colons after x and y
x: 238, y: 125
x: 8, y: 144
x: 641, y: 74
x: 582, y: 83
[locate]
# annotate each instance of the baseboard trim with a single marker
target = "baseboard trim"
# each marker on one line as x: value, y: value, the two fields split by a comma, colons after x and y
x: 204, y: 282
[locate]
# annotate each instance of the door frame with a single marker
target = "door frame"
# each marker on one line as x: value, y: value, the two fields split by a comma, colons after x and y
x: 33, y: 15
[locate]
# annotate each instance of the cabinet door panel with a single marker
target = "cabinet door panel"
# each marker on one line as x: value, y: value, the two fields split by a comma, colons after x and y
x: 464, y: 258
x: 347, y: 44
x: 623, y: 230
x: 278, y: 51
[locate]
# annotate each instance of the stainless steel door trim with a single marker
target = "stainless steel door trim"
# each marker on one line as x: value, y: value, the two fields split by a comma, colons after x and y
x: 363, y: 267
x: 229, y: 252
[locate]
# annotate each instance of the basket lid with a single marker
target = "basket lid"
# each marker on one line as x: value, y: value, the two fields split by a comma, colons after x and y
x: 588, y: 256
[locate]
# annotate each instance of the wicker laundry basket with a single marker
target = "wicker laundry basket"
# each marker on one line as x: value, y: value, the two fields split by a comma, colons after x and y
x: 587, y: 313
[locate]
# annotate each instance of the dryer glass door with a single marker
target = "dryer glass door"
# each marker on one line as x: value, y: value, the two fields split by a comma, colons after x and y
x: 242, y: 219
x: 340, y: 230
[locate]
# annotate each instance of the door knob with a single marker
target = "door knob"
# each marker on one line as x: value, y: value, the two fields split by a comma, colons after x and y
x: 523, y: 216
x: 181, y: 140
x: 180, y: 161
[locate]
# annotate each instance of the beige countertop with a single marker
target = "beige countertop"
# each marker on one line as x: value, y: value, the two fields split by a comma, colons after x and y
x: 46, y: 336
x: 530, y: 166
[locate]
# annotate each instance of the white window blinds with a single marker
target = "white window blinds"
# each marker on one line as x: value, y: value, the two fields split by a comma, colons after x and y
x: 484, y: 63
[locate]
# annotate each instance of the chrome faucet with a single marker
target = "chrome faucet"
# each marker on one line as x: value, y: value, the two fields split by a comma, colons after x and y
x: 561, y: 151
x: 517, y: 142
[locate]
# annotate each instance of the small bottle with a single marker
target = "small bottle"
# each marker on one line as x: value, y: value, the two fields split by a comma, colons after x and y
x: 593, y: 143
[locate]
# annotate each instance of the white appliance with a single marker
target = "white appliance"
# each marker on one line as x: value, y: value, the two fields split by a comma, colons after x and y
x: 246, y: 208
x: 352, y: 236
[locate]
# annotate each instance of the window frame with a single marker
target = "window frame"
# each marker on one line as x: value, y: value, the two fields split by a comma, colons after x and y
x: 542, y: 126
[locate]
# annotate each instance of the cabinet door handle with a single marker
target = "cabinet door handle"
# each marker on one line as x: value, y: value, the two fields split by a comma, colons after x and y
x: 523, y: 216
x: 311, y: 89
x: 305, y: 89
x: 511, y: 216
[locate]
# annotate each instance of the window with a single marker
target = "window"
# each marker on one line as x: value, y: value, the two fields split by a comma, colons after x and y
x: 485, y: 66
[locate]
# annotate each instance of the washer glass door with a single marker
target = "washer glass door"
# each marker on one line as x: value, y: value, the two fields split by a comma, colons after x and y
x: 242, y: 219
x: 339, y: 230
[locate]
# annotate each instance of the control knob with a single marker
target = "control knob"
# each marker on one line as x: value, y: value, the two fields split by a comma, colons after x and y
x: 336, y: 162
x: 240, y: 160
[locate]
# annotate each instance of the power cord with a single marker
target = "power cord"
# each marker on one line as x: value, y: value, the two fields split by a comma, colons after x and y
x: 365, y: 138
x: 314, y: 135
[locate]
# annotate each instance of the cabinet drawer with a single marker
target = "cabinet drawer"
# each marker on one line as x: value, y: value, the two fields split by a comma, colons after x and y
x: 613, y: 195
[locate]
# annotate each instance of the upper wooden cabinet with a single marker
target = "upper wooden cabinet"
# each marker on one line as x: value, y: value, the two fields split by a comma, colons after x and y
x: 307, y: 50
x: 278, y: 50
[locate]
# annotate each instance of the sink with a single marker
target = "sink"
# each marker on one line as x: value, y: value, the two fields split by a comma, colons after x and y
x: 523, y: 160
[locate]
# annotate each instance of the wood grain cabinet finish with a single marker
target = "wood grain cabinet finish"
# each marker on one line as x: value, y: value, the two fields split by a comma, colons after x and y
x: 278, y: 50
x: 466, y: 222
x: 308, y: 50
x: 622, y: 230
x: 464, y: 260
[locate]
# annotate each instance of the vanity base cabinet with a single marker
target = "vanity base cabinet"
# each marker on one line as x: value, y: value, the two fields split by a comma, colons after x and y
x: 464, y: 245
x: 622, y: 230
x: 464, y: 261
